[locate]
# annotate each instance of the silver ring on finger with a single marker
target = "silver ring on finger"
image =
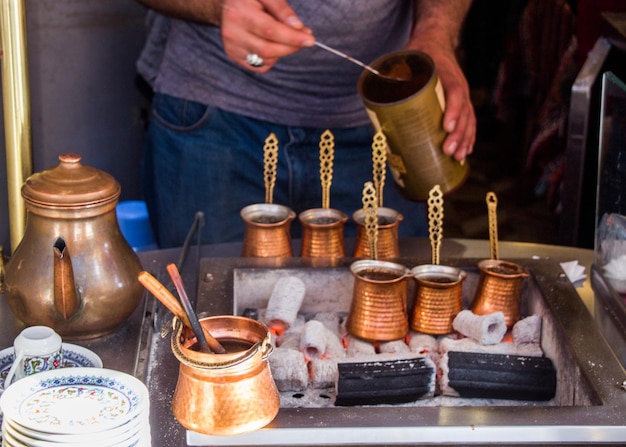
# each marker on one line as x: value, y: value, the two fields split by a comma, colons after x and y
x: 254, y: 60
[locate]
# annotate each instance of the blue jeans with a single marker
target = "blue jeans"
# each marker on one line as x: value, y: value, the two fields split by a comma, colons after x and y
x: 199, y: 158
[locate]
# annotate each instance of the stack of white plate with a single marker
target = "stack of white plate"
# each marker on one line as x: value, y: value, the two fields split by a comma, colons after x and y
x: 77, y: 407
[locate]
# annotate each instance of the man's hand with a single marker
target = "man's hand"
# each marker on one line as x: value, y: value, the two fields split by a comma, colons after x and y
x: 267, y: 28
x: 459, y: 119
x: 436, y: 32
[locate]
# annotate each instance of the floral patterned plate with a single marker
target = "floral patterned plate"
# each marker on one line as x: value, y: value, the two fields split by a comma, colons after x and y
x: 73, y: 356
x: 75, y: 400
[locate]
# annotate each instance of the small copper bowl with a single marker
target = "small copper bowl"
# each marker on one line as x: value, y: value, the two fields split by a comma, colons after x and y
x: 387, y: 245
x: 499, y: 289
x: 439, y: 298
x: 225, y: 394
x: 322, y: 233
x: 379, y: 301
x: 267, y: 233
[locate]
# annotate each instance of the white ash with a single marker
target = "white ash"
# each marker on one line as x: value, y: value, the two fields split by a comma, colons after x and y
x: 289, y: 369
x: 424, y: 344
x: 527, y: 331
x: 285, y: 302
x: 470, y: 345
x: 357, y: 347
x: 394, y: 347
x: 333, y: 322
x: 334, y: 346
x: 313, y: 340
x: 289, y: 340
x: 444, y: 377
x: 485, y: 329
x: 323, y: 373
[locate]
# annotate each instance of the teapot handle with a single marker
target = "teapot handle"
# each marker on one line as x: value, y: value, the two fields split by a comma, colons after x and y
x: 66, y: 297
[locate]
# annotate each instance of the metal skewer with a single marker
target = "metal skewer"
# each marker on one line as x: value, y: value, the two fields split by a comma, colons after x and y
x: 357, y: 62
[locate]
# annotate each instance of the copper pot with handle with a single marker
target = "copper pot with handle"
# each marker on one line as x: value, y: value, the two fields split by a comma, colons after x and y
x: 225, y: 394
x: 73, y: 269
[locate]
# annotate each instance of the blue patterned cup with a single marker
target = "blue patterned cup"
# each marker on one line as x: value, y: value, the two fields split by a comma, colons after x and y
x: 37, y: 348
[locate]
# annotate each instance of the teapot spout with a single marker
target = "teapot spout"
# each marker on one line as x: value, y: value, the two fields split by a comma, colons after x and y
x: 66, y: 297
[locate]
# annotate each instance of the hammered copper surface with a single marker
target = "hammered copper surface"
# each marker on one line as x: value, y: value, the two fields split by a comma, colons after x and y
x: 73, y: 270
x: 378, y: 311
x: 322, y: 233
x: 268, y: 231
x: 499, y: 289
x: 388, y: 247
x: 225, y: 394
x: 438, y: 300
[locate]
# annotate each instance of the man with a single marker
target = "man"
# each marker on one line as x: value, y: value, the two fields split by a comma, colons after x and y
x: 235, y: 71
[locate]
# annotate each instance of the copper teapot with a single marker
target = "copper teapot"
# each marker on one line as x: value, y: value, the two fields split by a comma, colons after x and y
x: 73, y: 269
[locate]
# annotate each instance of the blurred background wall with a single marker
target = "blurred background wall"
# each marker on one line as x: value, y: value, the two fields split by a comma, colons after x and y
x: 81, y: 56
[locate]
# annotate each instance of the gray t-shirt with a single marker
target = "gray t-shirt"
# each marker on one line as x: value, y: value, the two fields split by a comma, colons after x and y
x: 311, y: 88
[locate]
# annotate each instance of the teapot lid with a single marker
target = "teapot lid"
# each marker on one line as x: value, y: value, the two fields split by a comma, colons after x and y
x: 70, y: 184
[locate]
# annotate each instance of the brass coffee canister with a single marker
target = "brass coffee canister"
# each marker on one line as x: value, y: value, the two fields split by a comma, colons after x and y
x: 225, y: 394
x: 499, y: 289
x: 268, y: 231
x: 322, y: 233
x: 378, y: 311
x: 438, y: 298
x: 416, y: 157
x: 387, y: 243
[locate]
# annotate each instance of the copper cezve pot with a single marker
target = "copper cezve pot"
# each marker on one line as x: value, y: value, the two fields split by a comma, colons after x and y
x: 225, y: 394
x: 73, y: 269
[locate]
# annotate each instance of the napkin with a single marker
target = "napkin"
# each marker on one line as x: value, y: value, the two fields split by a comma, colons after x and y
x: 575, y: 272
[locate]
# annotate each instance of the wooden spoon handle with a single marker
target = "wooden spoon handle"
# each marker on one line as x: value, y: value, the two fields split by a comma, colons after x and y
x: 203, y: 336
x: 161, y: 293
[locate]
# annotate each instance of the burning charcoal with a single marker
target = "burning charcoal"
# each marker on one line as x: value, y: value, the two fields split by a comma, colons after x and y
x: 394, y: 347
x: 289, y: 370
x: 313, y: 341
x: 358, y: 347
x: 384, y: 381
x: 497, y: 376
x: 284, y: 303
x: 527, y: 331
x: 323, y: 373
x: 486, y: 329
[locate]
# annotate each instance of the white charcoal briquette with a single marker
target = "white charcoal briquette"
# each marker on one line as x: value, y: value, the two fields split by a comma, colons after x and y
x: 486, y: 329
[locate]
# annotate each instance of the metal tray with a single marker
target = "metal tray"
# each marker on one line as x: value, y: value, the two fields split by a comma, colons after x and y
x: 590, y: 404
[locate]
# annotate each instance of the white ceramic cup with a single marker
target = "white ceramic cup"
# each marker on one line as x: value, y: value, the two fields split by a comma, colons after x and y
x: 37, y: 348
